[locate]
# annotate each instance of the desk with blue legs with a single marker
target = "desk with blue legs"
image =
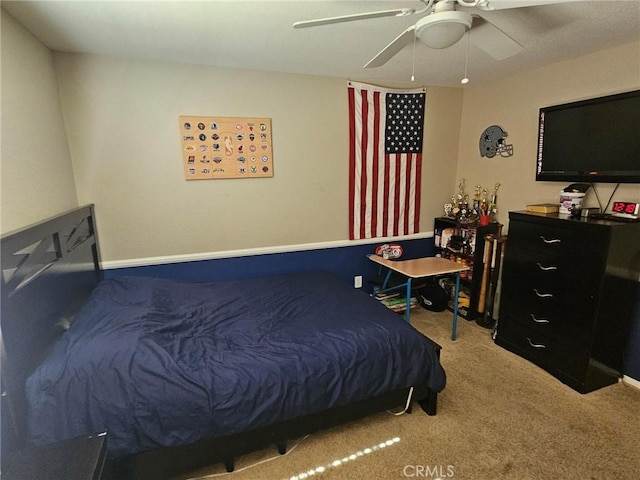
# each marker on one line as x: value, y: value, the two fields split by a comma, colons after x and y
x: 420, y: 268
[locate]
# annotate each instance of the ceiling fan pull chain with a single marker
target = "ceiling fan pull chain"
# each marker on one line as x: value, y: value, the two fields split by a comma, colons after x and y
x: 465, y: 80
x: 413, y: 65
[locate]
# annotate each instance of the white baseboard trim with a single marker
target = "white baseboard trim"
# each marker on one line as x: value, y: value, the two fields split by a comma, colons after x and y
x: 632, y: 382
x: 195, y: 257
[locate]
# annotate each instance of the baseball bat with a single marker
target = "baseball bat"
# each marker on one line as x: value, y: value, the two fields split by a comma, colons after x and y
x: 495, y: 274
x: 486, y: 268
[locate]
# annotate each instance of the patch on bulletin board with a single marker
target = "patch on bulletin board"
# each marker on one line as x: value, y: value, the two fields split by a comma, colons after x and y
x: 226, y: 147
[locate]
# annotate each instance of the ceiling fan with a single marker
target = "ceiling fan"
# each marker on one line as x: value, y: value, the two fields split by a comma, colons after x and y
x: 443, y: 25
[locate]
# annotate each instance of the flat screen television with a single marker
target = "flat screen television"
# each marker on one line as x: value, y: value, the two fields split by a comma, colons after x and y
x: 595, y: 140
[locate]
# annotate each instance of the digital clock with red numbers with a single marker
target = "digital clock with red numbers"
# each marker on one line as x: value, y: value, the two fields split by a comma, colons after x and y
x: 626, y: 209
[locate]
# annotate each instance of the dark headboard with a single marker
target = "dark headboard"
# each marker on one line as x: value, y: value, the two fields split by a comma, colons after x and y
x: 48, y: 271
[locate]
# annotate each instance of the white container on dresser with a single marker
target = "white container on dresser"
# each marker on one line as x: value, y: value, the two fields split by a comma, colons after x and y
x: 569, y: 289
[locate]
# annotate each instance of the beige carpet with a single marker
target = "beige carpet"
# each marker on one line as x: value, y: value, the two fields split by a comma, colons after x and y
x: 499, y: 417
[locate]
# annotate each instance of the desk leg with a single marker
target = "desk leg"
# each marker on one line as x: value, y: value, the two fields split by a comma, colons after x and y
x: 386, y: 279
x: 455, y: 307
x: 407, y: 313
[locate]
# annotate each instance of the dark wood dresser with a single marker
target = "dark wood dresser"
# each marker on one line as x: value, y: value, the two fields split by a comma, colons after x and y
x: 569, y: 289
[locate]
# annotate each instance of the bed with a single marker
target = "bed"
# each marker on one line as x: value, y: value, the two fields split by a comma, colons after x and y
x: 186, y: 374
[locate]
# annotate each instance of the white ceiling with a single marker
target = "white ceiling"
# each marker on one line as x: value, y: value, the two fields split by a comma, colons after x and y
x: 258, y: 34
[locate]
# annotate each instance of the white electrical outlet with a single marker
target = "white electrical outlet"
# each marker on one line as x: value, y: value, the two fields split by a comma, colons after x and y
x: 357, y: 281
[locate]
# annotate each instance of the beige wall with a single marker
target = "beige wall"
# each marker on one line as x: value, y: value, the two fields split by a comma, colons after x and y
x: 37, y: 178
x: 122, y: 122
x: 442, y: 133
x: 513, y: 103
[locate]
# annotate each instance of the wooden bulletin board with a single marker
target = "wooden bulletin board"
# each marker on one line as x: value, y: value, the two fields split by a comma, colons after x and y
x: 226, y: 147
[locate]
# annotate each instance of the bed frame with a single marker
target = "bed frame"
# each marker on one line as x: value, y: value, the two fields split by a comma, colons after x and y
x: 48, y: 271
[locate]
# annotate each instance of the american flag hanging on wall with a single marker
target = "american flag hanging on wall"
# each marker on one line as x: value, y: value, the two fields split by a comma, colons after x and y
x: 385, y: 160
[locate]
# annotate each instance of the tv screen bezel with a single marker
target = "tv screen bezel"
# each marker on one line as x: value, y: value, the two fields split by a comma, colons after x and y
x: 577, y: 176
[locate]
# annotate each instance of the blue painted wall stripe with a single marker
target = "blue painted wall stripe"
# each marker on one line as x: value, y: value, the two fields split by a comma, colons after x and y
x: 345, y: 262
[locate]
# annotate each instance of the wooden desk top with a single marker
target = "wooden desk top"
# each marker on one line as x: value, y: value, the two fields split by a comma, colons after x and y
x: 421, y: 267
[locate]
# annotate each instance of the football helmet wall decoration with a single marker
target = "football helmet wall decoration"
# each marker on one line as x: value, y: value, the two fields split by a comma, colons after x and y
x: 492, y: 142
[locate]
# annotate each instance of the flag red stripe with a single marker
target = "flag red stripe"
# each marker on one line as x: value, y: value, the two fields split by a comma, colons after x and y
x: 352, y: 160
x: 376, y: 160
x: 363, y: 162
x: 416, y: 218
x: 396, y: 199
x: 385, y: 206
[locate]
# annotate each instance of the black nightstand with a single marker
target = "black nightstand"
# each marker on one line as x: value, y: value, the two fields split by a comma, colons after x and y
x: 76, y: 459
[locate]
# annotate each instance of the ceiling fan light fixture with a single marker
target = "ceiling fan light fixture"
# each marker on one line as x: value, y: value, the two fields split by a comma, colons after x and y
x: 443, y: 29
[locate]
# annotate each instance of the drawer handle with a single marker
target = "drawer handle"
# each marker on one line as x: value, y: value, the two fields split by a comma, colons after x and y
x: 535, y: 345
x: 553, y: 240
x: 543, y: 295
x: 538, y: 320
x: 546, y: 268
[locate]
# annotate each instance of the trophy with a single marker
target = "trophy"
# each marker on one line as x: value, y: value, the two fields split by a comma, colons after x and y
x: 494, y: 200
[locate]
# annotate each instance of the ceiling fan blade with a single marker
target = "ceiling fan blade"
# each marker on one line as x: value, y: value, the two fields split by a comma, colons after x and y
x: 351, y: 18
x: 504, y: 4
x: 493, y: 40
x: 401, y: 41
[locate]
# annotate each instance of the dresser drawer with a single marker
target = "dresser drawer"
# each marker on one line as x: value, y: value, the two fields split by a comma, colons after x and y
x: 558, y: 241
x: 575, y: 330
x: 549, y: 303
x: 552, y: 312
x: 555, y: 273
x: 546, y: 352
x: 531, y: 345
x: 572, y: 363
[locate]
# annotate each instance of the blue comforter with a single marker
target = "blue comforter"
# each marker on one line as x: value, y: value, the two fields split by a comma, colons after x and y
x: 158, y: 362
